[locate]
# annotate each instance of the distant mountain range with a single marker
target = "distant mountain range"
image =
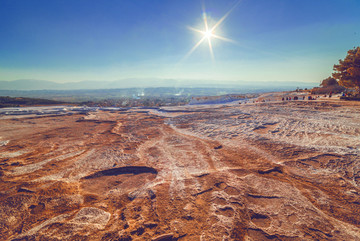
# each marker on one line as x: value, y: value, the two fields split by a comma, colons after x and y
x: 136, y: 89
x: 31, y: 84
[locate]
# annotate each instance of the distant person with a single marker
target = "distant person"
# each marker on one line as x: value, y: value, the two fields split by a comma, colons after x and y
x: 282, y: 99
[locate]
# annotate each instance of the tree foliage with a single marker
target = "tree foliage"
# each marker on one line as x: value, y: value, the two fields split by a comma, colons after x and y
x: 329, y: 82
x: 348, y: 70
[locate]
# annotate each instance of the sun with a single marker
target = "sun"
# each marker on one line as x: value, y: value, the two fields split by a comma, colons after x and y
x: 208, y: 33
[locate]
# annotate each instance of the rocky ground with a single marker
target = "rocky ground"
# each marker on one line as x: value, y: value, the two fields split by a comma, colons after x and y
x: 259, y: 171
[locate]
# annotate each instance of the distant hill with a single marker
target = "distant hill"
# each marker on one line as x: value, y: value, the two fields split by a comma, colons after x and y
x: 6, y: 101
x: 134, y: 93
x: 31, y: 84
x: 27, y: 84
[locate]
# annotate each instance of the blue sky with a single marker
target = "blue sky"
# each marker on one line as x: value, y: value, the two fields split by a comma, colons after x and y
x: 275, y: 40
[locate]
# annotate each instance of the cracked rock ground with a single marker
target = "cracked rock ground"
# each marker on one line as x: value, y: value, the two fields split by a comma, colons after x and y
x: 263, y: 171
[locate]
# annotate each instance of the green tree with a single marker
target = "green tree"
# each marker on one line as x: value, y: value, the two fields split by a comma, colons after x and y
x: 329, y: 82
x: 347, y: 72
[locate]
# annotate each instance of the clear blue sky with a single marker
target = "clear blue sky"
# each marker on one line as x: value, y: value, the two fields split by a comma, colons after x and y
x: 74, y: 40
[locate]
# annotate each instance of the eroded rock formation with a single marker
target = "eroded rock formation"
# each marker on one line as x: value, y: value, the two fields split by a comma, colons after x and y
x: 269, y: 171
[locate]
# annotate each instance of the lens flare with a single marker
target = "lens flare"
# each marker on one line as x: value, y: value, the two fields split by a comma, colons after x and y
x: 209, y: 33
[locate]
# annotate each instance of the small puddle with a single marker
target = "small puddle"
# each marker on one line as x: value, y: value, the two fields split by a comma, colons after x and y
x: 121, y: 179
x: 123, y: 170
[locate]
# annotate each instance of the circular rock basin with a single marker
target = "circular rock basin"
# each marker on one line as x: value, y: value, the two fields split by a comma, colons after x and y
x: 123, y: 179
x: 123, y: 170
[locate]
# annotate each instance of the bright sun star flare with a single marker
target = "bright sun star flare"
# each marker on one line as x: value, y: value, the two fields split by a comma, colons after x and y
x: 209, y: 33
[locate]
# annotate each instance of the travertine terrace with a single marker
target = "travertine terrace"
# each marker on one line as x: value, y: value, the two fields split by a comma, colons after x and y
x: 262, y: 171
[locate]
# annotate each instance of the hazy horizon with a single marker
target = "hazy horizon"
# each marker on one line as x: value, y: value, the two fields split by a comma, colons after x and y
x: 252, y: 40
x: 29, y: 84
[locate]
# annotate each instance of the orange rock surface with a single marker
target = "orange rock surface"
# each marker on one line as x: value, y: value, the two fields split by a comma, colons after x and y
x: 267, y: 171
